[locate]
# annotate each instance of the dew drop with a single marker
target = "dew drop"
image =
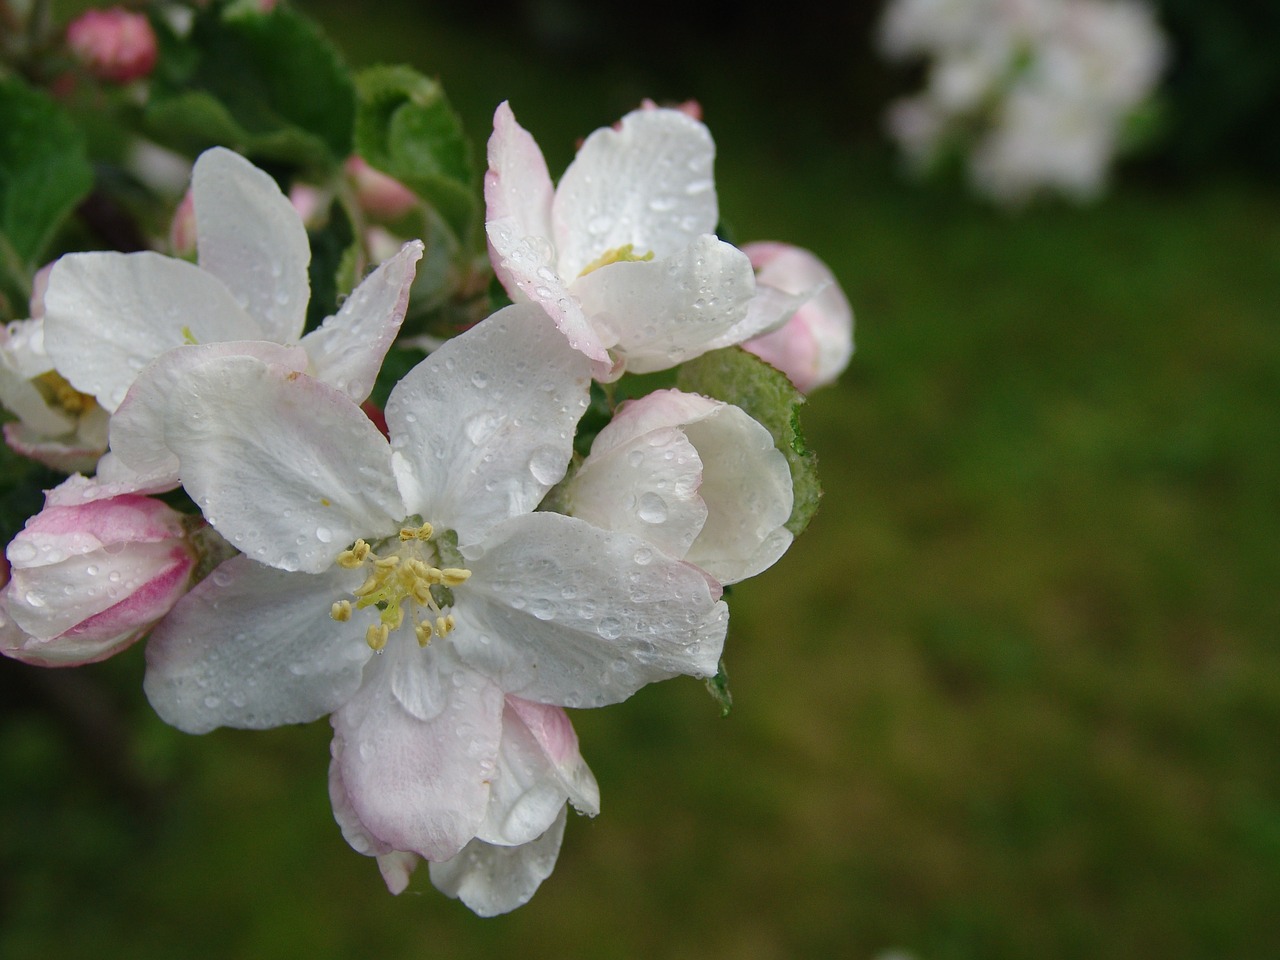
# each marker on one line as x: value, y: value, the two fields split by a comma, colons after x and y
x: 324, y: 534
x: 20, y: 551
x: 610, y: 628
x: 652, y: 508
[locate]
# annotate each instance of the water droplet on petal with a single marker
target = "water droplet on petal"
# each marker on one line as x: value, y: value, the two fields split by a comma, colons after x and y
x: 652, y: 508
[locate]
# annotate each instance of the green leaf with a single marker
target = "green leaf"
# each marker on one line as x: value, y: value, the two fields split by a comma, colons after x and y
x: 44, y: 174
x: 406, y: 128
x: 269, y: 85
x: 741, y: 378
x: 718, y: 687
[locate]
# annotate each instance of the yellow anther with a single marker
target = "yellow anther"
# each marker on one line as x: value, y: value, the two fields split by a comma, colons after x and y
x: 55, y: 389
x: 623, y: 254
x: 341, y: 611
x: 449, y: 623
x: 421, y: 592
x: 376, y: 636
x: 442, y: 626
x: 423, y: 532
x: 454, y: 576
x: 350, y: 559
x: 387, y: 563
x: 372, y: 582
x: 423, y: 632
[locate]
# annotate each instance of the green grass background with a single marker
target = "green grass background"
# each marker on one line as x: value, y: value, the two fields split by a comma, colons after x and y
x: 1013, y: 694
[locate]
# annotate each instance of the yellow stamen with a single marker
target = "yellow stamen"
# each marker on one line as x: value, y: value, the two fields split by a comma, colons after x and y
x: 341, y: 611
x: 376, y: 636
x: 623, y: 254
x: 454, y: 576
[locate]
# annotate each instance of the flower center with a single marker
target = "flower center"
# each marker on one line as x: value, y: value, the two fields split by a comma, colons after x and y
x: 62, y: 395
x: 404, y: 577
x: 623, y: 254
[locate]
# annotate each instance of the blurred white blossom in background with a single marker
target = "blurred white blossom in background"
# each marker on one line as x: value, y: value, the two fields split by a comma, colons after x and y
x: 1033, y: 95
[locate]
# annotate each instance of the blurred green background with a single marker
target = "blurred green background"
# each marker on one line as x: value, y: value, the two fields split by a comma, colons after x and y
x: 1015, y: 693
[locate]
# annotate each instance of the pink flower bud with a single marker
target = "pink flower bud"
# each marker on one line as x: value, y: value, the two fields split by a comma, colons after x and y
x: 90, y: 579
x: 815, y: 345
x: 182, y: 232
x: 377, y: 193
x: 116, y: 45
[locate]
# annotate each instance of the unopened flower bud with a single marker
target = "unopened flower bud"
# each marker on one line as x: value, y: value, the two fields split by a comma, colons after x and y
x: 378, y: 194
x: 814, y: 346
x: 89, y: 579
x: 115, y: 45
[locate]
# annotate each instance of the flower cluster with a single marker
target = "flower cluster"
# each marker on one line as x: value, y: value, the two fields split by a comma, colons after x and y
x: 443, y: 577
x: 1036, y: 95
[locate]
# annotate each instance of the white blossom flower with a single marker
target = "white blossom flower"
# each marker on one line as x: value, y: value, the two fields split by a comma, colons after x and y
x: 427, y: 548
x: 56, y: 424
x: 1036, y: 93
x: 699, y: 479
x: 539, y: 772
x: 622, y: 253
x: 108, y: 315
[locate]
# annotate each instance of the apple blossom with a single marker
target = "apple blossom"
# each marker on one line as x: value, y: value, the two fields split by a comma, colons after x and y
x: 116, y: 45
x: 622, y: 253
x: 110, y: 314
x: 539, y: 770
x: 1035, y: 92
x: 56, y: 424
x: 426, y: 549
x: 377, y: 193
x: 699, y: 479
x: 90, y: 579
x: 815, y: 345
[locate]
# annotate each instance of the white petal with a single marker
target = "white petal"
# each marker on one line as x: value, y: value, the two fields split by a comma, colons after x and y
x: 110, y: 314
x: 492, y: 880
x: 539, y: 768
x: 255, y: 647
x: 138, y: 425
x: 483, y: 427
x: 285, y: 467
x: 663, y: 312
x: 768, y: 310
x: 561, y: 612
x: 348, y: 348
x: 646, y: 486
x: 419, y: 786
x: 517, y: 185
x: 113, y: 479
x: 648, y: 183
x: 250, y: 236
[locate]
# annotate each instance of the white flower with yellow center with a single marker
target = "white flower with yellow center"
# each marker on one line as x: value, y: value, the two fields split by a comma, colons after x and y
x: 108, y: 316
x: 622, y: 254
x: 427, y: 549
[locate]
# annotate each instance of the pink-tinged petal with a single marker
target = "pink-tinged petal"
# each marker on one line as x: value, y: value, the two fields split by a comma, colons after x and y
x: 517, y: 186
x: 815, y: 345
x: 113, y: 479
x: 69, y: 455
x: 138, y: 425
x: 419, y: 785
x: 769, y: 310
x: 562, y: 612
x: 662, y: 312
x: 483, y: 427
x: 347, y: 350
x: 523, y: 265
x: 251, y: 238
x: 59, y: 530
x: 110, y: 314
x: 649, y: 183
x: 255, y: 647
x: 539, y: 768
x: 285, y: 467
x: 646, y: 485
x: 98, y: 599
x: 745, y: 483
x: 353, y: 829
x: 493, y: 880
